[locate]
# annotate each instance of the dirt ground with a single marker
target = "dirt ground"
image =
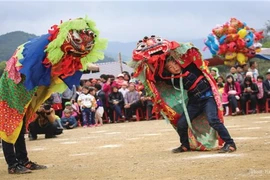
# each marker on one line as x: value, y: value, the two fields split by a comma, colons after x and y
x: 142, y: 150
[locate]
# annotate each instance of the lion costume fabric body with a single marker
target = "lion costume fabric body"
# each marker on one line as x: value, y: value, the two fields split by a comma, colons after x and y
x: 50, y: 63
x: 149, y: 60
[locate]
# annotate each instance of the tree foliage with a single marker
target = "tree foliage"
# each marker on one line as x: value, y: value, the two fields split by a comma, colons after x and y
x: 2, y: 67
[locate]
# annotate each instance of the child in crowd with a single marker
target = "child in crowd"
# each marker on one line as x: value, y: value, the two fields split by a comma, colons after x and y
x: 87, y: 103
x: 99, y: 112
x: 124, y: 89
x: 260, y: 95
x: 224, y: 98
x: 68, y: 121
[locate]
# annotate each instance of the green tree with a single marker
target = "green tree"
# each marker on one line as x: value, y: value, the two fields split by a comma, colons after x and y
x: 2, y: 67
x: 266, y: 44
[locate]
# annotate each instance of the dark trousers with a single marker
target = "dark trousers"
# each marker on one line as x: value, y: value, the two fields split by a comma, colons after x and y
x: 148, y: 108
x: 50, y: 129
x: 88, y: 117
x: 245, y: 98
x: 195, y: 108
x: 132, y: 109
x: 233, y: 102
x: 17, y: 152
x: 118, y: 111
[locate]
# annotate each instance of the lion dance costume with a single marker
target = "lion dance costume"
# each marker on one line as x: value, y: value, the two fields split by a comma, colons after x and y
x: 41, y: 66
x: 149, y: 60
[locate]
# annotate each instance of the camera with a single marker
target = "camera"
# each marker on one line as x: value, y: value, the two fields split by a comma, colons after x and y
x: 47, y: 107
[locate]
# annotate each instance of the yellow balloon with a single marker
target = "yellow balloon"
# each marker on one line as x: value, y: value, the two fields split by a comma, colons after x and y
x: 230, y: 55
x: 229, y: 62
x: 241, y: 58
x: 242, y: 33
x: 258, y: 50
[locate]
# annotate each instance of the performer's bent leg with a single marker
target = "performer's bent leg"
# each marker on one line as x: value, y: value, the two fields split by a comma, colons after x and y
x: 20, y: 146
x: 210, y: 108
x: 193, y: 110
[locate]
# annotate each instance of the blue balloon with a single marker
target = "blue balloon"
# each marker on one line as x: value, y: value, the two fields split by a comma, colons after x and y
x: 222, y: 39
x: 249, y: 39
x: 211, y: 44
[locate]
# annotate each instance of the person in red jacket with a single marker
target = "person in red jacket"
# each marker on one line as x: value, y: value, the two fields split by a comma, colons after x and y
x: 233, y: 90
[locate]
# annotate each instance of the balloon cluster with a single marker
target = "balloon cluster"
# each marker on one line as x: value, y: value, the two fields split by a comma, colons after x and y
x: 235, y: 42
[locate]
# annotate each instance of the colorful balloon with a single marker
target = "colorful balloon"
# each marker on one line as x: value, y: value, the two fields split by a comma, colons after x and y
x: 211, y: 44
x: 222, y: 49
x: 230, y: 55
x: 242, y: 33
x: 222, y: 39
x: 249, y: 40
x: 231, y: 47
x: 241, y: 43
x: 241, y: 58
x: 258, y: 35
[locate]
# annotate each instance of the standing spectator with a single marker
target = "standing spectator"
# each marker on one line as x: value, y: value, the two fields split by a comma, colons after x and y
x: 245, y: 70
x: 120, y: 81
x: 101, y: 96
x: 86, y: 101
x: 266, y: 84
x: 132, y: 79
x: 116, y: 101
x: 260, y: 96
x: 233, y: 91
x: 253, y: 68
x: 68, y: 95
x: 234, y: 73
x: 215, y: 73
x: 126, y: 76
x: 132, y: 101
x: 240, y: 76
x: 88, y: 83
x: 249, y: 92
x: 224, y: 98
x: 57, y: 104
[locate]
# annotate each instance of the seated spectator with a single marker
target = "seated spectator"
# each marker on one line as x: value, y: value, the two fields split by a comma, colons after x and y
x: 266, y: 84
x: 233, y: 91
x: 249, y: 92
x: 74, y: 109
x: 132, y: 101
x: 224, y: 98
x: 245, y: 70
x: 250, y: 74
x: 45, y: 123
x: 220, y: 79
x: 124, y: 89
x: 260, y: 96
x: 253, y: 68
x: 148, y: 104
x: 215, y: 73
x: 116, y: 101
x: 68, y: 121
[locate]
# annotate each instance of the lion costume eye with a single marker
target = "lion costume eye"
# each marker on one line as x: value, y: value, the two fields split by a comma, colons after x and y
x: 141, y: 46
x: 159, y: 39
x: 76, y: 37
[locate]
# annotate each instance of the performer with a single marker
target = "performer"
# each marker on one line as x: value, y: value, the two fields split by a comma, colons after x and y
x: 41, y: 66
x: 183, y: 90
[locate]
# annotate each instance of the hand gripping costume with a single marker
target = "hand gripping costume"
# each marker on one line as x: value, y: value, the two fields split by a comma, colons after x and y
x: 172, y: 94
x: 41, y: 66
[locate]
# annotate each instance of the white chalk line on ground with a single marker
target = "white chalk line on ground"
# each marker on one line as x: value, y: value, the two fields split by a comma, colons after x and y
x: 70, y: 142
x: 259, y: 122
x: 97, y: 132
x: 245, y: 138
x: 214, y: 156
x: 265, y: 117
x: 132, y: 139
x: 111, y: 133
x: 82, y: 154
x: 88, y: 137
x: 37, y: 149
x: 153, y: 134
x: 61, y: 139
x: 249, y: 128
x: 111, y: 146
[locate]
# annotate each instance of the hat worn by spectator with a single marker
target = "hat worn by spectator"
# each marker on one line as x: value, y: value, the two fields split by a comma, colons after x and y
x: 68, y: 104
x: 120, y: 75
x: 268, y: 71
